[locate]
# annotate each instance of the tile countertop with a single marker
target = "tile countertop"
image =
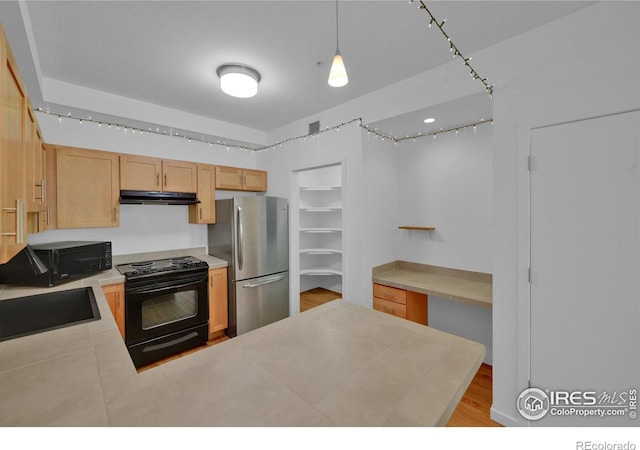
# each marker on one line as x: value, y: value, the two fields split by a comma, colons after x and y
x: 474, y: 288
x: 339, y: 364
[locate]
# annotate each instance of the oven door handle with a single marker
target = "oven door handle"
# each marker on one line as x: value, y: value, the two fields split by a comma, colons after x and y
x: 262, y: 283
x: 165, y: 288
x: 153, y: 348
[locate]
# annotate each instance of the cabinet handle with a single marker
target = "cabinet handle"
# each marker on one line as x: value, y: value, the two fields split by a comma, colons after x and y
x: 43, y: 194
x: 165, y: 179
x: 157, y: 179
x: 19, y: 212
x: 48, y: 222
x: 20, y: 223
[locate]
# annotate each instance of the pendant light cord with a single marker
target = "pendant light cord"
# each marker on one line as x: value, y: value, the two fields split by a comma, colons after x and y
x: 337, y: 39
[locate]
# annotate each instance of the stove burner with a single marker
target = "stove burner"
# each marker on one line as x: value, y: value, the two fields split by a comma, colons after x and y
x: 179, y: 260
x: 142, y: 264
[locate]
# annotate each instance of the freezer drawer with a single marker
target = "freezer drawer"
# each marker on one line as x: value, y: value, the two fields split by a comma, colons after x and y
x: 261, y: 301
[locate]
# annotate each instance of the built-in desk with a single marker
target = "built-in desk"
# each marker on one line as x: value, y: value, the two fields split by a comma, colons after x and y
x: 474, y: 288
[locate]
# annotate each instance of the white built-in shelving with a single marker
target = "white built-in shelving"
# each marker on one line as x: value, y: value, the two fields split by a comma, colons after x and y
x: 320, y: 210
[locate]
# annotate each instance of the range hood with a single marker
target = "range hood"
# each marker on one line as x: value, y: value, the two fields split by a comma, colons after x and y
x: 128, y: 197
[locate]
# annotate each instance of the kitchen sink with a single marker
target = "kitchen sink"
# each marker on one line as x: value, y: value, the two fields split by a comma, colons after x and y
x: 43, y: 312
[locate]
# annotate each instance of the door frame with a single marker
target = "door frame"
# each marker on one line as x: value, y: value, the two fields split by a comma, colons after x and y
x: 294, y: 227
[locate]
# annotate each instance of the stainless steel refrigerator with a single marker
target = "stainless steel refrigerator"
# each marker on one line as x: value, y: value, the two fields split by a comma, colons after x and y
x: 252, y: 235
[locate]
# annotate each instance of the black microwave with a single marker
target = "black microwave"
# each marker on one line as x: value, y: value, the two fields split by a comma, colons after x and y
x: 56, y: 263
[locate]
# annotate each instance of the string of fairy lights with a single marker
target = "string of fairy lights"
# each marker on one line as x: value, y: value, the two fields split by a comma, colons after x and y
x: 370, y: 129
x: 454, y: 48
x: 229, y: 145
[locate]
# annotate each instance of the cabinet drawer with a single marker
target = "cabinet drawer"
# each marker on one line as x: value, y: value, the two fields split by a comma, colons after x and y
x: 385, y: 306
x: 389, y: 293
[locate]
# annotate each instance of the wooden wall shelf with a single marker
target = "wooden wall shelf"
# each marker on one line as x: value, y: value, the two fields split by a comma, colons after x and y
x: 408, y: 227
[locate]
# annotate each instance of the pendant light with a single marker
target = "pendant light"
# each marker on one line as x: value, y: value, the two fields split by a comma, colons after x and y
x: 338, y: 75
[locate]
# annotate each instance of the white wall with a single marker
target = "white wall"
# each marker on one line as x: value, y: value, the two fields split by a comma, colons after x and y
x: 576, y: 67
x: 447, y: 183
x: 380, y: 208
x: 143, y: 228
x: 339, y: 146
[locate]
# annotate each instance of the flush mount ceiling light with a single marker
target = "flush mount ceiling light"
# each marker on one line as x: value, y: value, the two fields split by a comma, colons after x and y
x: 238, y: 81
x: 338, y: 75
x: 429, y: 120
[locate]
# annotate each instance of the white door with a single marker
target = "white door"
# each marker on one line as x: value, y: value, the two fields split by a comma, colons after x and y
x: 585, y: 260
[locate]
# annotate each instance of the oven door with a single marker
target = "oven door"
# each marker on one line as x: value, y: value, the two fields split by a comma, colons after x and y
x: 165, y: 305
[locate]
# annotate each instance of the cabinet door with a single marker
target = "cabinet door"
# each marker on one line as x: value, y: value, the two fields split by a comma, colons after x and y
x: 88, y: 188
x: 43, y: 213
x: 34, y: 178
x: 254, y: 180
x: 140, y: 173
x: 115, y: 298
x: 179, y: 176
x: 51, y: 213
x: 205, y: 211
x: 12, y: 155
x: 228, y: 178
x: 218, y: 300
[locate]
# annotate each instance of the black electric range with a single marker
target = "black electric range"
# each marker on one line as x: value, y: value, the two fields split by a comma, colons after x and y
x: 166, y: 307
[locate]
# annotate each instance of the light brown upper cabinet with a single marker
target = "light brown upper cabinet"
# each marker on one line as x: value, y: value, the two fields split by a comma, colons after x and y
x: 13, y: 115
x: 143, y: 173
x: 35, y: 174
x: 237, y: 179
x: 205, y: 211
x: 179, y: 176
x: 88, y: 188
x: 254, y: 180
x: 140, y: 173
x: 51, y: 216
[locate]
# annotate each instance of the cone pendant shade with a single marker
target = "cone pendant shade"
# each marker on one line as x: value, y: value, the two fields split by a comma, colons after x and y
x: 338, y: 75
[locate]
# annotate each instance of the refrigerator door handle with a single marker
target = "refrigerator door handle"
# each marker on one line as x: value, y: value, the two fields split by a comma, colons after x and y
x: 262, y: 283
x: 239, y: 237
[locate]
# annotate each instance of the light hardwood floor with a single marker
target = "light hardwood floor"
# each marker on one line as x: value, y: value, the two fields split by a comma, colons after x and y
x: 474, y: 407
x: 316, y: 297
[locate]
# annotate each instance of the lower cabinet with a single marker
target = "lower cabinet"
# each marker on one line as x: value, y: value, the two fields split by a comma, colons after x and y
x: 115, y: 298
x: 218, y: 301
x: 408, y: 305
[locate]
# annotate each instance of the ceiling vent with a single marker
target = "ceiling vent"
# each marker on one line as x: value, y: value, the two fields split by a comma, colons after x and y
x: 314, y: 127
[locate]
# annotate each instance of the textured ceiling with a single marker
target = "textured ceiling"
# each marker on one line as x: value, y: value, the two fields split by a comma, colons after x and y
x: 167, y: 52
